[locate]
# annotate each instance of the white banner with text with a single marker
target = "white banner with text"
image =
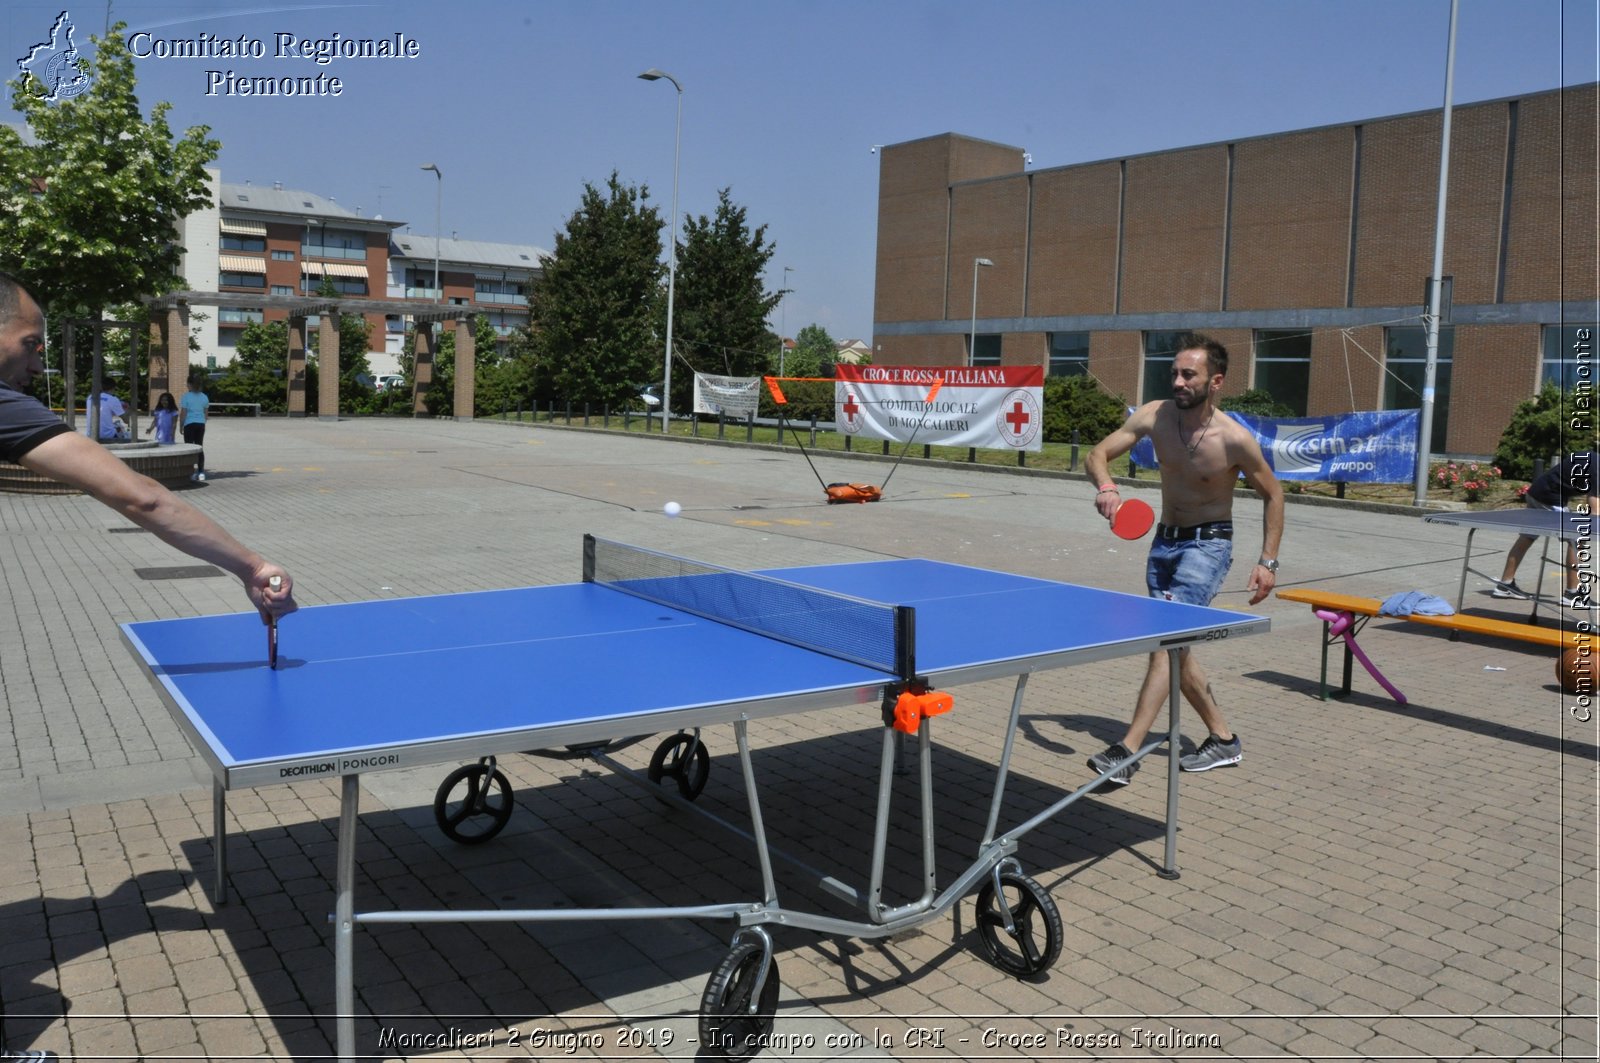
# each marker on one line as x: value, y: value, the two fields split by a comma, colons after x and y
x: 734, y: 396
x: 999, y: 407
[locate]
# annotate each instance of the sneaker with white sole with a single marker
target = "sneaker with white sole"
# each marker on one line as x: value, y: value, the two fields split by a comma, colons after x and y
x: 1114, y: 753
x: 1509, y: 589
x: 33, y: 1056
x: 1578, y: 599
x: 1214, y: 753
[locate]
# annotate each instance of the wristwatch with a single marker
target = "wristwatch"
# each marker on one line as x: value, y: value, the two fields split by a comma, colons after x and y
x: 1270, y: 564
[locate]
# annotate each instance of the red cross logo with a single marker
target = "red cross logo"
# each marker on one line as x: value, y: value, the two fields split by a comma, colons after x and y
x: 1017, y: 418
x: 850, y: 408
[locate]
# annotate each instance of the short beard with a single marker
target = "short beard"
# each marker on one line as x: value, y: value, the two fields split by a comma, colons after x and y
x: 1189, y: 400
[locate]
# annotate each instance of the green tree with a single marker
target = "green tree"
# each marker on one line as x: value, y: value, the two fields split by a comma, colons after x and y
x: 489, y: 379
x: 595, y: 315
x: 256, y: 374
x: 87, y: 209
x: 1542, y: 428
x: 813, y: 354
x: 722, y: 305
x: 1079, y: 403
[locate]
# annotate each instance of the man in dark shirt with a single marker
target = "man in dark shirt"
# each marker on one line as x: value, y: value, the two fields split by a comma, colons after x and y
x: 1567, y: 484
x: 36, y: 439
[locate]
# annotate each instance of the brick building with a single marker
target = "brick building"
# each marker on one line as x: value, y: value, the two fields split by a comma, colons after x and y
x: 1307, y: 253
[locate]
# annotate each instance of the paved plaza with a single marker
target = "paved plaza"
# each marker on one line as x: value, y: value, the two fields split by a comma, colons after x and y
x: 1372, y: 882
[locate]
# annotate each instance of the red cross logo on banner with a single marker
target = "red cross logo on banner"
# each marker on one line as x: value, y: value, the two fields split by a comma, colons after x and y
x: 1018, y: 419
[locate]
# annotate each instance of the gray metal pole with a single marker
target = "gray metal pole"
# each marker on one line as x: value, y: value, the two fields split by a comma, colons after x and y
x: 1436, y: 284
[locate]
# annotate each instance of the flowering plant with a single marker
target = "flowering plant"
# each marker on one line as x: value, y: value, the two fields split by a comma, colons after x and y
x: 1472, y: 477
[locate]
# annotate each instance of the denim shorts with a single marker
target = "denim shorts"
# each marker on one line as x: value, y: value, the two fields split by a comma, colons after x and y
x: 1188, y: 570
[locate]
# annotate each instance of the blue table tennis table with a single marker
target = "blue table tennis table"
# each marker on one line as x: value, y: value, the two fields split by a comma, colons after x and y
x: 641, y: 647
x: 1546, y: 524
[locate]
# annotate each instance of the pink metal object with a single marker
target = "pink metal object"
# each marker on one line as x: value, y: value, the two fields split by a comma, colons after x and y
x: 1339, y: 624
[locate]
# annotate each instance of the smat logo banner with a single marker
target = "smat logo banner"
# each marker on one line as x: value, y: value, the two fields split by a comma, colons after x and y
x: 1372, y: 446
x: 994, y: 406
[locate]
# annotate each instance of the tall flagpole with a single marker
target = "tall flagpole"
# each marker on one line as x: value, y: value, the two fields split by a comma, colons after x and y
x: 1436, y: 282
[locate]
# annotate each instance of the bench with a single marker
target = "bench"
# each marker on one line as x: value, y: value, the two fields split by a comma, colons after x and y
x: 1344, y: 615
x: 254, y: 407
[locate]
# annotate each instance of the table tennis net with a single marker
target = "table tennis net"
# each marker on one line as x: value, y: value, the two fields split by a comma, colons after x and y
x: 852, y: 629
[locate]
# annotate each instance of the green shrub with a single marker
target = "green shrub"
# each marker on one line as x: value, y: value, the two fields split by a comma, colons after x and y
x: 1078, y: 402
x: 1542, y: 427
x: 1256, y: 402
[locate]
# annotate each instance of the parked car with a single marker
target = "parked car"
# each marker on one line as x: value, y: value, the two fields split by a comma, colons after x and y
x: 388, y: 381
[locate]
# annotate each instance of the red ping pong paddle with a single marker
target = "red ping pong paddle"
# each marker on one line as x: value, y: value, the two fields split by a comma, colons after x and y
x: 1132, y: 519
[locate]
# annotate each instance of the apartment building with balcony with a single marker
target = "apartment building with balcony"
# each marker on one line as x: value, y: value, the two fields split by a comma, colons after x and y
x: 495, y: 279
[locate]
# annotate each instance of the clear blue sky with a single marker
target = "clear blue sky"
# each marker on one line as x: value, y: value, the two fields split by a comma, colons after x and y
x: 522, y: 101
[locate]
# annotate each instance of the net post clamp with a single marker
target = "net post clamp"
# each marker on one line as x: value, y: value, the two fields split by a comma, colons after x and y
x: 904, y: 709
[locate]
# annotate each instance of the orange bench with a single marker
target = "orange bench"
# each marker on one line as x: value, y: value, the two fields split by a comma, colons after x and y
x: 1359, y: 610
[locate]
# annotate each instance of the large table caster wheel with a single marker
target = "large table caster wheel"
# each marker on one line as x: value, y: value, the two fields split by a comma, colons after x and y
x: 473, y: 803
x: 1021, y: 926
x: 740, y: 1002
x: 682, y: 757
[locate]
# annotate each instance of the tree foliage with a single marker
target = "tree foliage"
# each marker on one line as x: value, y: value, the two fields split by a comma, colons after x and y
x: 595, y: 315
x: 1543, y: 427
x: 490, y: 378
x: 722, y: 306
x: 87, y: 209
x: 813, y: 354
x: 1080, y: 403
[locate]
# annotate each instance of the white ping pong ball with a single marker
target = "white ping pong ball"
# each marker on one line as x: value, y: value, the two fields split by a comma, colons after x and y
x: 672, y: 509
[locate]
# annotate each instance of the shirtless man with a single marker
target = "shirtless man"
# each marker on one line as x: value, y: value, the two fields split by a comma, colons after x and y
x: 1202, y: 451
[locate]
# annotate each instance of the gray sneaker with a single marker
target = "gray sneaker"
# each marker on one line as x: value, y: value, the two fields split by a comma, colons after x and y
x: 1213, y: 753
x: 1114, y: 753
x: 1509, y: 590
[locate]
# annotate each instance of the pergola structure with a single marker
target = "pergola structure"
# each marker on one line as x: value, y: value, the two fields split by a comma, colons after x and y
x: 169, y: 344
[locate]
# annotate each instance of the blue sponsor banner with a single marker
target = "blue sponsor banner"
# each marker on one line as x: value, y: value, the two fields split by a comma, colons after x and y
x: 1377, y: 446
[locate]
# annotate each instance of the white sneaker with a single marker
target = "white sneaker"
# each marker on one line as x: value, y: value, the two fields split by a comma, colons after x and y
x: 198, y: 477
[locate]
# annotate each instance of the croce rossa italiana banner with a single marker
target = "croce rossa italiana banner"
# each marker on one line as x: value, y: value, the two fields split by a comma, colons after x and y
x: 993, y: 406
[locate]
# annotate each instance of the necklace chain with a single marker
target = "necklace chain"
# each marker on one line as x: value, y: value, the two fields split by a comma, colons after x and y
x: 1192, y: 447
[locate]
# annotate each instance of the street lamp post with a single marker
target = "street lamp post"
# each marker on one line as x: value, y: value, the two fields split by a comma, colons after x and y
x: 972, y: 342
x: 672, y: 248
x: 783, y: 326
x: 438, y: 231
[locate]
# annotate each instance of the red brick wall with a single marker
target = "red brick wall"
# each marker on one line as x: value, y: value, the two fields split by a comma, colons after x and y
x: 989, y: 219
x: 1114, y: 359
x: 1342, y: 366
x: 1173, y: 231
x: 1398, y: 201
x: 1074, y: 242
x: 1493, y: 369
x: 1290, y: 232
x: 1555, y: 161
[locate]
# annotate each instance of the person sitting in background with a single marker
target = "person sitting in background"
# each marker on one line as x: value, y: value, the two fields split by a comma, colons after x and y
x: 1570, y: 478
x: 111, y: 411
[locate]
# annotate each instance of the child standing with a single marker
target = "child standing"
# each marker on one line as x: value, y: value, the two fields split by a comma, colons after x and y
x: 166, y: 415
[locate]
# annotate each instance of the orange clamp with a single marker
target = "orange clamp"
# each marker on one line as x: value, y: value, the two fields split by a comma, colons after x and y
x: 909, y: 709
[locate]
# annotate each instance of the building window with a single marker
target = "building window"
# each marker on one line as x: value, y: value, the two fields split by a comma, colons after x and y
x: 1283, y: 366
x: 283, y: 256
x: 985, y: 349
x: 233, y: 315
x: 1406, y: 350
x: 1159, y: 350
x: 486, y: 290
x: 229, y: 279
x: 1569, y: 356
x: 343, y: 285
x: 1069, y: 354
x: 236, y: 242
x: 334, y: 243
x: 282, y: 289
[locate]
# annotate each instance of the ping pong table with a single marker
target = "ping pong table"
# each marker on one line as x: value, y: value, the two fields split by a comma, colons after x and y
x: 1546, y: 524
x: 640, y: 647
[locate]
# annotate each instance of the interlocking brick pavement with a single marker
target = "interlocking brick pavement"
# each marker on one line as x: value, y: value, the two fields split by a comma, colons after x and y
x: 1373, y: 881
